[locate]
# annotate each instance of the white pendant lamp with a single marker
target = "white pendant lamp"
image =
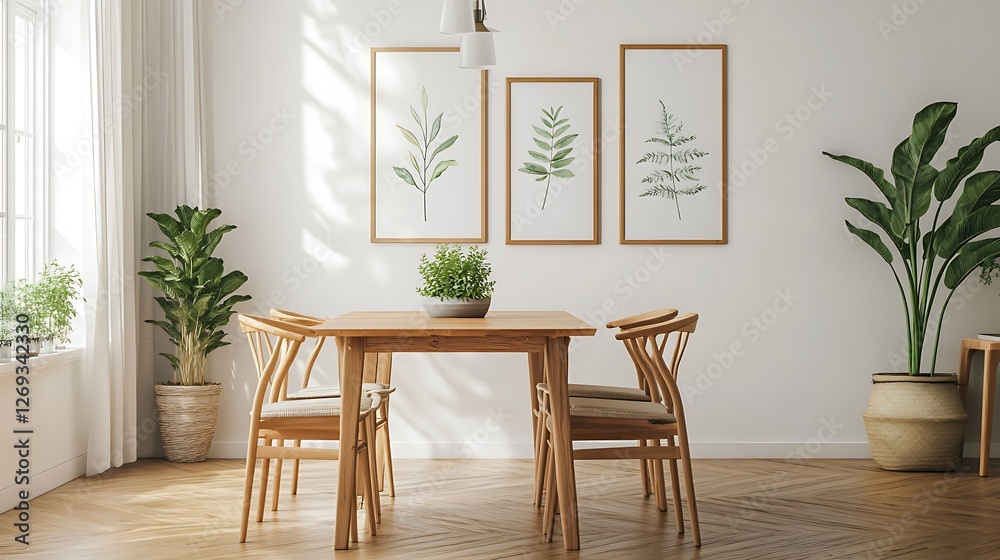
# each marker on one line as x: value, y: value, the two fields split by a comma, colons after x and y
x: 457, y: 17
x: 477, y: 47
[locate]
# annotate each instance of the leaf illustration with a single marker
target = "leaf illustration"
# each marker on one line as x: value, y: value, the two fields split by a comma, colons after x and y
x: 668, y: 181
x: 552, y: 138
x: 419, y: 178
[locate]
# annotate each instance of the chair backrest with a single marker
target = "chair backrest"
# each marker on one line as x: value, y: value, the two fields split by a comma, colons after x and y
x: 308, y: 321
x: 647, y: 345
x: 293, y: 317
x: 643, y: 319
x: 274, y: 345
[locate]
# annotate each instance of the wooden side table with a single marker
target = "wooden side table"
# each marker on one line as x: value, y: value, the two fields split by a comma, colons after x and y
x: 990, y: 362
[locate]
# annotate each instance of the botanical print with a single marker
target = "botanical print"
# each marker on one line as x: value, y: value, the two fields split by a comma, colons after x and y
x: 669, y: 182
x: 554, y: 140
x: 422, y: 178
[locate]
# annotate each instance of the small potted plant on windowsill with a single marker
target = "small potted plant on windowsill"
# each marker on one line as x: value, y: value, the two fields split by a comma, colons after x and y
x: 7, y: 311
x: 456, y: 284
x: 53, y: 297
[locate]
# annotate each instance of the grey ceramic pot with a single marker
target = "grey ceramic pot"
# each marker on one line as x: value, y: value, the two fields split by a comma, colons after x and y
x: 448, y: 307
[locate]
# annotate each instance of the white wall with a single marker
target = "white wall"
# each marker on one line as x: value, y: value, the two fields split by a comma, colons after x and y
x: 854, y: 73
x: 57, y: 446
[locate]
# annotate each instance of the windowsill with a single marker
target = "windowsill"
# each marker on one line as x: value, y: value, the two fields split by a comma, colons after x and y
x: 41, y: 361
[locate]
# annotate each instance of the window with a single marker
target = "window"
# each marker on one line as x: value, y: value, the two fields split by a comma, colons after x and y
x: 22, y: 176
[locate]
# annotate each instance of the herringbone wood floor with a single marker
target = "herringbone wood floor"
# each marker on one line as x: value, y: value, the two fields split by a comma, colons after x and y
x: 750, y: 509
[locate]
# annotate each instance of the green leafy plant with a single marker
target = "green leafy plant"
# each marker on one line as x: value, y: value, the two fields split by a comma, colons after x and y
x: 8, y: 311
x: 197, y: 299
x: 50, y: 301
x: 422, y: 176
x: 668, y: 182
x: 454, y: 275
x: 952, y: 246
x: 556, y: 142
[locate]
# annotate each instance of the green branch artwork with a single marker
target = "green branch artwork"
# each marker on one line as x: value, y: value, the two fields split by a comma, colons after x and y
x: 421, y: 178
x: 678, y: 161
x: 554, y: 140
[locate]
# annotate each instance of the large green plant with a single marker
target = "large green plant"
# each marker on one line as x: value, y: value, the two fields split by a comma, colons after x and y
x: 954, y: 244
x: 452, y: 274
x: 197, y: 298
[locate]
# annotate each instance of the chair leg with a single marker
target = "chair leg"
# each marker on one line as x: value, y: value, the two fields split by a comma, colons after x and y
x: 295, y: 470
x: 264, y: 470
x: 364, y: 478
x: 277, y: 479
x: 689, y: 483
x: 387, y: 444
x: 659, y: 482
x: 675, y: 487
x: 371, y: 441
x: 541, y: 459
x: 248, y: 487
x: 644, y: 473
x: 551, y: 498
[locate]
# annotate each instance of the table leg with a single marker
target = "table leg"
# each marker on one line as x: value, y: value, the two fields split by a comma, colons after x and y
x: 965, y: 358
x: 351, y: 371
x: 989, y: 398
x: 557, y: 373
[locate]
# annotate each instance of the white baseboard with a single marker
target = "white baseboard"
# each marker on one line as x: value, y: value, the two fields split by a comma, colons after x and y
x: 44, y: 481
x: 699, y: 450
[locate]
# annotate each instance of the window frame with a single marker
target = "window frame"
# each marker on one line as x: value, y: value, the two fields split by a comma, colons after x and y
x: 34, y: 10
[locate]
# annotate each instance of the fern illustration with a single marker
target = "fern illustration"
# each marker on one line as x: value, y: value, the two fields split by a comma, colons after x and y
x: 679, y: 161
x: 556, y: 142
x: 422, y: 178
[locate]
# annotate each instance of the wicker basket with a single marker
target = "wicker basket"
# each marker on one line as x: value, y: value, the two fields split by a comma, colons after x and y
x: 916, y: 423
x: 188, y: 415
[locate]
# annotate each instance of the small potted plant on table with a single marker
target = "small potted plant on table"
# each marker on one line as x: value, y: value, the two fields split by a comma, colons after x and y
x: 456, y: 284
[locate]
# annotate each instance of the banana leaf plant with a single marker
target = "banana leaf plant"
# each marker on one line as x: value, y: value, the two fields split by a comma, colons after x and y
x: 197, y: 300
x: 943, y: 247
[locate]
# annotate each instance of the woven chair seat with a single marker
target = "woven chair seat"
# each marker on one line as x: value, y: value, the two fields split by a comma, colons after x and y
x: 602, y: 392
x: 620, y: 410
x: 308, y: 407
x: 329, y: 391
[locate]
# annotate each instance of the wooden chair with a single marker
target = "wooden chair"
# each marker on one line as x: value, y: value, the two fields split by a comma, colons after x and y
x: 273, y: 419
x: 661, y: 419
x: 378, y: 374
x: 639, y: 393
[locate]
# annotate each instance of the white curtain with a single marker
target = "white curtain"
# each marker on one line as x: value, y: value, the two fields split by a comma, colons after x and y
x: 110, y: 229
x: 145, y: 101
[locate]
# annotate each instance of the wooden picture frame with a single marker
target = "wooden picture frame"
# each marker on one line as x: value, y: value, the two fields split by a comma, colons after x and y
x: 429, y: 166
x: 664, y: 87
x: 553, y: 140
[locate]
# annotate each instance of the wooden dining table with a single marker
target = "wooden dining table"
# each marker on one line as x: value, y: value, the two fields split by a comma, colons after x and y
x: 543, y: 335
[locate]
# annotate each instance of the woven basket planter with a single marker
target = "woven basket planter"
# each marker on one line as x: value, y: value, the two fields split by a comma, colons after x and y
x: 188, y: 415
x: 916, y: 423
